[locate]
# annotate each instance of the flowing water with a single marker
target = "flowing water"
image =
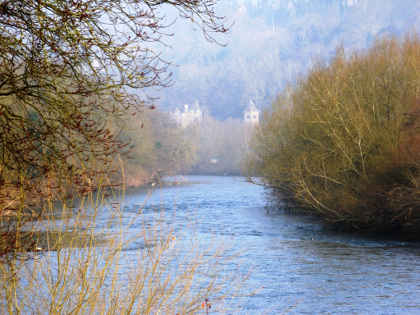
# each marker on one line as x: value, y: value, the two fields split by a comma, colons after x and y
x: 297, y: 266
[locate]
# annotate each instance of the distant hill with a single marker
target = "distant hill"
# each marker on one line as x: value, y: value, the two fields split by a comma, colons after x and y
x: 272, y: 42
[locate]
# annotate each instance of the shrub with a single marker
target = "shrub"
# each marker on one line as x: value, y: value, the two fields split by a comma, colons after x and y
x: 345, y: 141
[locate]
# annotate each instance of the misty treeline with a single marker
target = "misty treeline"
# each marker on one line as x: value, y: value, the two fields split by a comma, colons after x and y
x: 219, y: 147
x: 158, y: 147
x: 71, y: 73
x: 344, y: 141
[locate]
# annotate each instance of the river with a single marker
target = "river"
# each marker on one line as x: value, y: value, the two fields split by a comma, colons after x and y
x: 296, y: 265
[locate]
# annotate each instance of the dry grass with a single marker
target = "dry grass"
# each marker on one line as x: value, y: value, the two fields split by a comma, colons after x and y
x: 75, y: 266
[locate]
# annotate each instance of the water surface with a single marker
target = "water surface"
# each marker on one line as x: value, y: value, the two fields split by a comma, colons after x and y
x: 298, y: 266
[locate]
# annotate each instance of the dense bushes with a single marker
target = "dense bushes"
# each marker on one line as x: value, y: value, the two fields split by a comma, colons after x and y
x: 345, y: 141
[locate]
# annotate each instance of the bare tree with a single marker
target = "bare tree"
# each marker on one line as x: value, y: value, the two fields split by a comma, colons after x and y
x: 66, y: 66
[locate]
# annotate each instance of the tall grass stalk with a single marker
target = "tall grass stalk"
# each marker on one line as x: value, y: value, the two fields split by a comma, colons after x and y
x: 81, y: 265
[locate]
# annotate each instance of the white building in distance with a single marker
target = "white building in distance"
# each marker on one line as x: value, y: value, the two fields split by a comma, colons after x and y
x: 189, y: 116
x: 252, y: 114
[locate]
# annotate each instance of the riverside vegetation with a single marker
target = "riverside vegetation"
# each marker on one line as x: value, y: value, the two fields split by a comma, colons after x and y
x: 344, y: 142
x: 214, y: 151
x: 74, y: 266
x: 74, y: 77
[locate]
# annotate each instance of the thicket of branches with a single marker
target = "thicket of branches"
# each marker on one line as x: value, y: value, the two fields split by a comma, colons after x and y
x: 346, y: 143
x: 69, y: 70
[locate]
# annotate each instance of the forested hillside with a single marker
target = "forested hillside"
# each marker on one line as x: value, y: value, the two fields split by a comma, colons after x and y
x: 272, y: 43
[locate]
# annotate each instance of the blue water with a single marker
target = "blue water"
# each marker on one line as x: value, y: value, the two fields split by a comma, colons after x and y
x: 296, y: 265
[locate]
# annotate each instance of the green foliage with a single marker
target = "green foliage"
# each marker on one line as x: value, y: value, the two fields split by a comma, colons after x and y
x: 345, y: 141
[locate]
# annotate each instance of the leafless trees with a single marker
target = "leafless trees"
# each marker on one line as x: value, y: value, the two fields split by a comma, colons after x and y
x: 67, y: 68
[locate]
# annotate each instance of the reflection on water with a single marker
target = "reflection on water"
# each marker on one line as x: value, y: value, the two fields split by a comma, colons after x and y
x: 297, y: 265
